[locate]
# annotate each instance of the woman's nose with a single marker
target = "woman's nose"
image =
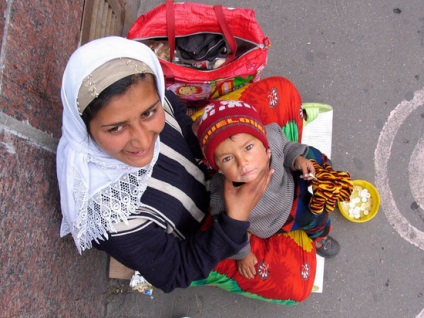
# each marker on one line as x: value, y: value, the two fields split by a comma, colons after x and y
x: 139, y: 136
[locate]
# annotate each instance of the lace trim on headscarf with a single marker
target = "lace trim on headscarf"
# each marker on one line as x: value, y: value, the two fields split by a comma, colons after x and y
x: 112, y: 205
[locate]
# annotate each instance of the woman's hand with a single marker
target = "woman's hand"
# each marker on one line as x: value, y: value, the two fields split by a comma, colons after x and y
x: 306, y: 166
x: 240, y: 200
x: 246, y: 266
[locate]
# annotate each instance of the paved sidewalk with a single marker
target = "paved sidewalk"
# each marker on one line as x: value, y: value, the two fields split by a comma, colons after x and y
x: 364, y: 58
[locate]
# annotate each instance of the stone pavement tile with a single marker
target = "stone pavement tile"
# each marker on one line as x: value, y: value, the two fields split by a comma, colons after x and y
x: 42, y: 274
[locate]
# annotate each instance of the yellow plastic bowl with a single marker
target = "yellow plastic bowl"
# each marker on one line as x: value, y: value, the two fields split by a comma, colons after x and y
x: 375, y: 196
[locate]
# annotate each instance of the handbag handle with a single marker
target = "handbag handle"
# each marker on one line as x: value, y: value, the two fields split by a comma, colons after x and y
x: 228, y: 35
x: 170, y: 26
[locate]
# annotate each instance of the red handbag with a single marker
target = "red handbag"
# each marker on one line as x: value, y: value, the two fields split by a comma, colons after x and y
x: 246, y: 47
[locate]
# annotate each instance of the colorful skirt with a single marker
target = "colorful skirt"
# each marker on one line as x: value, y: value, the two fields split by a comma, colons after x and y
x: 285, y: 270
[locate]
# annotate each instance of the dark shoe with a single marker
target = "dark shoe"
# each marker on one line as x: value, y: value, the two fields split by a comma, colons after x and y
x: 330, y: 247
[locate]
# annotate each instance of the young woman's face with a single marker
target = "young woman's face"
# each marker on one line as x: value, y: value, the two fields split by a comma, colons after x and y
x: 242, y: 157
x: 127, y: 127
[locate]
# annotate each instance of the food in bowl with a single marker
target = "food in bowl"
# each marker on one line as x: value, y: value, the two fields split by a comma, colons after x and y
x: 360, y: 203
x: 364, y: 202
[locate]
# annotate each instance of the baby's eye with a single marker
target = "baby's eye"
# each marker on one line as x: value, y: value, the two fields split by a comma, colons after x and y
x: 249, y: 147
x: 227, y: 158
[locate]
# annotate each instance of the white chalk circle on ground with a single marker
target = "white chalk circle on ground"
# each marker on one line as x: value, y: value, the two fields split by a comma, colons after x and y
x: 382, y: 156
x: 416, y: 172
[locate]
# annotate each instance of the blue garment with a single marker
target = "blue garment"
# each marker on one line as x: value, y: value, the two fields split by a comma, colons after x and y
x: 314, y: 225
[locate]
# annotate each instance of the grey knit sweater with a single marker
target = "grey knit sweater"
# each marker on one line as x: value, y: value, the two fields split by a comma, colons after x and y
x: 273, y: 209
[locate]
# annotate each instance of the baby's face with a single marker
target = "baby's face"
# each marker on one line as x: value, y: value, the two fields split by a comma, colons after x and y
x: 242, y: 158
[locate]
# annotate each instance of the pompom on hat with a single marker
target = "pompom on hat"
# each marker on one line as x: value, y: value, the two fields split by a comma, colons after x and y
x: 222, y: 119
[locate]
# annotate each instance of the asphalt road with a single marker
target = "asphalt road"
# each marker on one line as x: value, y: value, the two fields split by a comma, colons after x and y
x: 366, y: 59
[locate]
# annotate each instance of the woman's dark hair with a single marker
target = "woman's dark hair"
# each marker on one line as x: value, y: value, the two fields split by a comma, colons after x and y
x: 116, y: 89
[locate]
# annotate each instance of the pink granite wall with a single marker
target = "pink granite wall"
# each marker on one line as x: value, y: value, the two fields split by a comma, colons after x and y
x: 42, y: 275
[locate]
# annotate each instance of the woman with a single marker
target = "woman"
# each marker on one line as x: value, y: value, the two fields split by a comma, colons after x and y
x: 129, y: 180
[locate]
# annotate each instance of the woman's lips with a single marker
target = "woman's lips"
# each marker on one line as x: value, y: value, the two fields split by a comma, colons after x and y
x: 137, y: 153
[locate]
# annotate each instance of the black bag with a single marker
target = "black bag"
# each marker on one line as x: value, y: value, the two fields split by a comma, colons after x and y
x: 201, y: 47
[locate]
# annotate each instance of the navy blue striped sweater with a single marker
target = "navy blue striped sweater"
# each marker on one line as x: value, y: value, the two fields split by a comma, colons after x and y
x: 162, y: 241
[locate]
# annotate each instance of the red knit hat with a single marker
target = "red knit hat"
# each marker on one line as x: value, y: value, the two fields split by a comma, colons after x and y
x: 222, y: 119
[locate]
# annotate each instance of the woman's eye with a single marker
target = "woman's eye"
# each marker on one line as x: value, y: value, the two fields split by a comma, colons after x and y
x: 116, y: 129
x: 149, y: 113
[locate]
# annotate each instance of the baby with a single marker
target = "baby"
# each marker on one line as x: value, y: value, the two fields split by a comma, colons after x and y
x: 240, y: 148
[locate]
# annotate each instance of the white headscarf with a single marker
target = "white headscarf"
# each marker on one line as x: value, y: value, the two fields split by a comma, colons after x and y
x: 92, y: 183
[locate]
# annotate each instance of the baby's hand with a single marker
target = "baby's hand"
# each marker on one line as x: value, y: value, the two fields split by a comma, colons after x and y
x: 306, y: 166
x: 246, y: 266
